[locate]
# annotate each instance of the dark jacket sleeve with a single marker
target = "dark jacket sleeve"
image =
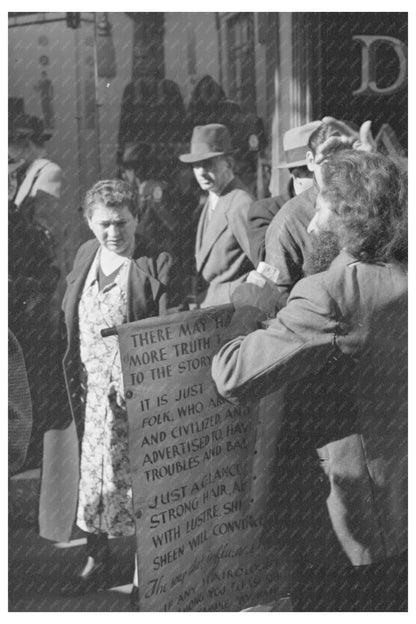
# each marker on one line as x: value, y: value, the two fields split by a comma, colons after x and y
x: 238, y: 219
x: 287, y: 240
x: 163, y: 268
x: 260, y: 216
x: 298, y: 342
x: 159, y: 272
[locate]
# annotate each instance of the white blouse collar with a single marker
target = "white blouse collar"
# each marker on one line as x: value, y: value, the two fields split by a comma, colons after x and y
x: 92, y: 273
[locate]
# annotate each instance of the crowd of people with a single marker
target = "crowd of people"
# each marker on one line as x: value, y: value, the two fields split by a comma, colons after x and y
x: 318, y: 280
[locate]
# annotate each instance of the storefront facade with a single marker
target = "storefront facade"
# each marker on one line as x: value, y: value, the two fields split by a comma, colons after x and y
x: 284, y: 69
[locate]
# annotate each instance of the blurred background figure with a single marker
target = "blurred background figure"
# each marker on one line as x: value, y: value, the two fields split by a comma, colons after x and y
x: 152, y: 108
x: 40, y: 179
x: 34, y: 272
x: 159, y: 220
x: 208, y: 104
x: 45, y: 88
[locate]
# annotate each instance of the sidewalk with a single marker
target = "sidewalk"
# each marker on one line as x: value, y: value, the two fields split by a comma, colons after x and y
x: 38, y: 567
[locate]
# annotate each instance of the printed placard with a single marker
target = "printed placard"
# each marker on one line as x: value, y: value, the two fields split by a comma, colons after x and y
x: 192, y: 461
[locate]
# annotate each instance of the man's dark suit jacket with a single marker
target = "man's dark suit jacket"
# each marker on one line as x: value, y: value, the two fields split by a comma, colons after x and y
x: 287, y: 240
x: 260, y: 216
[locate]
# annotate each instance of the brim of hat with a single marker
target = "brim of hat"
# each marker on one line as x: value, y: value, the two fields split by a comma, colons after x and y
x: 193, y: 158
x: 298, y: 163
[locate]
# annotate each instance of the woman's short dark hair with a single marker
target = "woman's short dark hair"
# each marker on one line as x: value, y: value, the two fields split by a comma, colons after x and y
x: 368, y: 193
x: 111, y: 193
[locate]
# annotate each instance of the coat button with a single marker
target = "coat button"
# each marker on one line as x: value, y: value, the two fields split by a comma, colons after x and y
x: 129, y: 394
x: 138, y: 514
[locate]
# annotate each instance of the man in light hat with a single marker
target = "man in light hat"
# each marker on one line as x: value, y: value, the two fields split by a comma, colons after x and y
x: 222, y: 243
x: 288, y: 244
x: 300, y: 164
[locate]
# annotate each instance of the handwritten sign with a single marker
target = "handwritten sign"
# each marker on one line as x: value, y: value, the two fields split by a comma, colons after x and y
x: 193, y: 458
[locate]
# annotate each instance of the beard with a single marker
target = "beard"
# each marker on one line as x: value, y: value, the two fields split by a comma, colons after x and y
x: 324, y: 249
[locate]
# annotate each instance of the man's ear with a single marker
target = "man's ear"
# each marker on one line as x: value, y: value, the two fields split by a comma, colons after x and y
x: 231, y: 162
x: 310, y: 161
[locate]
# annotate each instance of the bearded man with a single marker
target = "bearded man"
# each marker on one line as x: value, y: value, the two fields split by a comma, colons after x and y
x: 339, y: 351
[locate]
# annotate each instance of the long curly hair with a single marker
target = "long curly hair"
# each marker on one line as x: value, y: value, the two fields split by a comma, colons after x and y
x: 368, y: 193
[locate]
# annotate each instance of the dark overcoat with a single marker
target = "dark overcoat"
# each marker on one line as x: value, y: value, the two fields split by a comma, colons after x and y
x: 339, y: 351
x: 287, y: 241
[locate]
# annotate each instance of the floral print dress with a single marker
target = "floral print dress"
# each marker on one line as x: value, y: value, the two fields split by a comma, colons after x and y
x: 105, y: 497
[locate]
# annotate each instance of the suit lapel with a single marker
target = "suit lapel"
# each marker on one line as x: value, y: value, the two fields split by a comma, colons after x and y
x: 208, y: 232
x: 211, y: 231
x: 201, y: 227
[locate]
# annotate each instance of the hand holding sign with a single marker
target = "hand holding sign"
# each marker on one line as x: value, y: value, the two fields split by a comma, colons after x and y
x: 260, y: 290
x: 266, y: 297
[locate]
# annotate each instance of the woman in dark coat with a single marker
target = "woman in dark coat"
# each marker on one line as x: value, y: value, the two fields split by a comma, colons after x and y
x: 111, y: 283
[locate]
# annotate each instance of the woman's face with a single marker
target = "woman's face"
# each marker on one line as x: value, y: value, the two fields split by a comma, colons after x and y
x: 114, y: 228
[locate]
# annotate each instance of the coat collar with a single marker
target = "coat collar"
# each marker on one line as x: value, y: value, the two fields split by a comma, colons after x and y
x: 344, y: 258
x: 82, y: 267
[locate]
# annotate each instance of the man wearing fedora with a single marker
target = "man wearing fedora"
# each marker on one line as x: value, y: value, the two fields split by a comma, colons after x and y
x: 27, y: 138
x: 222, y: 243
x: 288, y: 243
x: 261, y: 213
